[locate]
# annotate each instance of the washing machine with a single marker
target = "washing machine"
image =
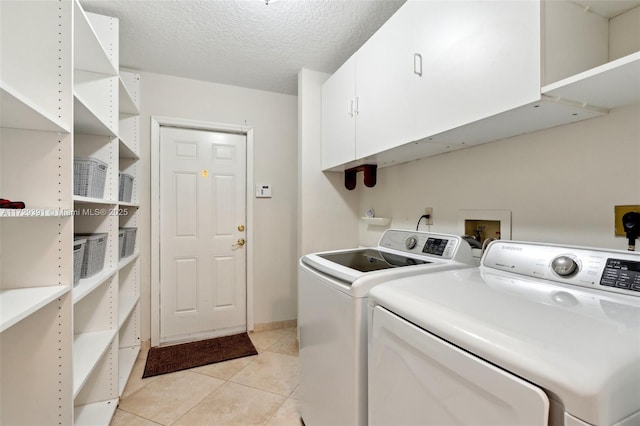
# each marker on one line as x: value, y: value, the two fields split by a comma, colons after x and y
x: 539, y: 334
x: 332, y: 316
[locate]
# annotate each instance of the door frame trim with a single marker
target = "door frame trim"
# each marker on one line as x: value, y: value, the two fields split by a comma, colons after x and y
x: 156, y: 123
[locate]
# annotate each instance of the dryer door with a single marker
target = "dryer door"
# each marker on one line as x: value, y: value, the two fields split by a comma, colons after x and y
x: 418, y: 378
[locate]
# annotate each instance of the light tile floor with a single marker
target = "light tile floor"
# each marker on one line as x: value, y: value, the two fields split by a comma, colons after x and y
x: 256, y: 390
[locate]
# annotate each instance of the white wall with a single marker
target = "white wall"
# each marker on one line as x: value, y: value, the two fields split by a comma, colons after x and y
x: 327, y: 210
x: 560, y: 184
x: 274, y: 120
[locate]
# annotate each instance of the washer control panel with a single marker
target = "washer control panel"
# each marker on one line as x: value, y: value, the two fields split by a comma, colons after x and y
x: 422, y: 243
x: 621, y: 273
x: 612, y: 270
x: 565, y: 266
x: 439, y: 247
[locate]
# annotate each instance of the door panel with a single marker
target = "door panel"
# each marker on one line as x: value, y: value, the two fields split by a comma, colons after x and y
x: 187, y: 294
x: 417, y: 378
x: 338, y: 116
x: 224, y: 271
x: 186, y: 195
x: 384, y: 78
x: 202, y: 203
x: 477, y: 61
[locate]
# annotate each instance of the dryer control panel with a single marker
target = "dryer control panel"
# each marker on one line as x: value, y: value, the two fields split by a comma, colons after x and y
x: 612, y: 270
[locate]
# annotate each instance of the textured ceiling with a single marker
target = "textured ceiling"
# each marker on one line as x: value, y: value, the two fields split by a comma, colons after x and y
x: 242, y: 42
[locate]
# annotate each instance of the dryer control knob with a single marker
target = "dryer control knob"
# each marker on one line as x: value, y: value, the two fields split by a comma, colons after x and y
x: 564, y: 266
x: 411, y: 242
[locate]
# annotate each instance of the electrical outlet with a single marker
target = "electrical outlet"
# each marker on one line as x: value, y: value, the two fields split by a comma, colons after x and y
x: 619, y: 212
x: 429, y: 220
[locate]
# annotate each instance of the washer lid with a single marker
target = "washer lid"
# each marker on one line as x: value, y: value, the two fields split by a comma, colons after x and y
x: 581, y: 345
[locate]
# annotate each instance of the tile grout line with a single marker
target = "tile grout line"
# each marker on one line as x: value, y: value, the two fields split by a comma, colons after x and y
x: 279, y: 338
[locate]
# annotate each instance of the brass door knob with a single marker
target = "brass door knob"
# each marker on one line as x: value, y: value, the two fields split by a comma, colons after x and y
x: 240, y: 228
x: 241, y: 242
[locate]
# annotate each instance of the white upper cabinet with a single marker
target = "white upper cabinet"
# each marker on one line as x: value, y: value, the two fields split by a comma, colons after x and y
x: 385, y: 85
x: 434, y: 66
x: 477, y: 61
x: 442, y: 75
x: 338, y: 117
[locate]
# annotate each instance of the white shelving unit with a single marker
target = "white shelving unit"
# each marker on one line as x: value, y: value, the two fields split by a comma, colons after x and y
x: 18, y: 303
x: 65, y: 352
x: 36, y: 262
x: 129, y: 268
x: 88, y: 349
x: 95, y: 299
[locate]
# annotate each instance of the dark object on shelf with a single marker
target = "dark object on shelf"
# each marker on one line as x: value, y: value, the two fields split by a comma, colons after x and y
x: 370, y: 172
x: 8, y: 204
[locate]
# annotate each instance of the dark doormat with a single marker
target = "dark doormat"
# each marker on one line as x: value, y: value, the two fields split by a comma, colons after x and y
x: 167, y: 359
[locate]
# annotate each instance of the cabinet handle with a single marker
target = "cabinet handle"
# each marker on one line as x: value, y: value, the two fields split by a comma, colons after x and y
x: 350, y: 108
x: 417, y: 64
x: 356, y: 105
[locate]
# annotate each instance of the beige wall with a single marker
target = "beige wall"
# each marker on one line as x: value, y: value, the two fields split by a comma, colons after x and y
x: 560, y: 184
x: 327, y: 211
x: 274, y: 120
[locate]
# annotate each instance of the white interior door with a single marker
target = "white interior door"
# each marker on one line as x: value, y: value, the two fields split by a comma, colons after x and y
x: 202, y: 221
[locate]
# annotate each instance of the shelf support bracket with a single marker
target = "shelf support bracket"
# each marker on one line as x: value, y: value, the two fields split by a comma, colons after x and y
x: 370, y: 172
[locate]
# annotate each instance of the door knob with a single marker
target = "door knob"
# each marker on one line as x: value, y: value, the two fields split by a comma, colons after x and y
x: 240, y: 228
x: 241, y: 242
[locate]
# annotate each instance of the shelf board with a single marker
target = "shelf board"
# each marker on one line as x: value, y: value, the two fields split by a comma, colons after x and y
x: 126, y: 360
x: 612, y: 85
x: 89, y: 54
x: 126, y: 306
x: 127, y: 260
x: 126, y: 151
x: 19, y: 112
x: 86, y: 121
x: 98, y: 413
x: 377, y: 221
x: 127, y: 103
x: 125, y: 204
x: 88, y: 200
x: 87, y: 285
x: 17, y: 304
x: 88, y: 349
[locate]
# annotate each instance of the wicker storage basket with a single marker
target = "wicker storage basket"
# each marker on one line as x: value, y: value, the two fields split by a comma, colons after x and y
x: 129, y: 241
x: 94, y: 253
x: 78, y: 257
x: 121, y: 235
x: 89, y: 176
x: 126, y: 187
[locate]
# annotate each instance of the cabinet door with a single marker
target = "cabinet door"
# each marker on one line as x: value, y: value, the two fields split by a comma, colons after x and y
x: 480, y: 58
x: 384, y: 76
x: 338, y: 122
